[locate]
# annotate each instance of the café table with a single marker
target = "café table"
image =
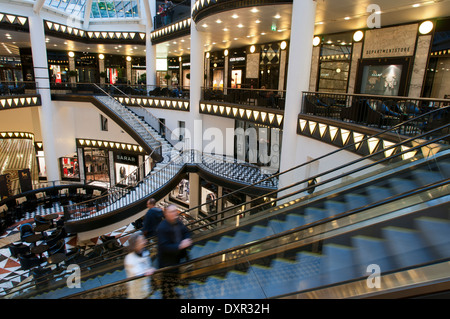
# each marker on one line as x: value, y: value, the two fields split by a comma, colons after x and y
x: 50, y: 217
x: 41, y: 228
x: 32, y: 239
x: 56, y: 259
x: 40, y: 249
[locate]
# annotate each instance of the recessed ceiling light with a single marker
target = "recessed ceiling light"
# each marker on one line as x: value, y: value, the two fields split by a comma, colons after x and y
x: 254, y: 10
x: 218, y: 21
x: 277, y: 16
x: 235, y: 16
x: 204, y: 25
x: 225, y: 29
x: 416, y: 5
x: 240, y: 25
x: 347, y: 18
x: 319, y: 22
x: 258, y: 21
x: 263, y: 33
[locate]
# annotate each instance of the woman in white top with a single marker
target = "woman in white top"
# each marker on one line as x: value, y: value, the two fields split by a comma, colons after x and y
x: 138, y: 262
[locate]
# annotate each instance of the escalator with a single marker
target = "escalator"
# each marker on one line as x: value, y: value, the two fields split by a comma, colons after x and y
x: 392, y: 212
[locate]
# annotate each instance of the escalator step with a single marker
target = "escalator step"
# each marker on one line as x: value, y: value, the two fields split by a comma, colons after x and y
x: 258, y: 232
x: 310, y: 266
x: 400, y: 185
x: 334, y: 207
x: 436, y: 233
x: 444, y: 168
x: 224, y: 243
x: 239, y: 238
x: 313, y: 214
x: 338, y: 264
x: 277, y: 226
x: 294, y: 220
x: 377, y: 193
x: 406, y: 246
x: 423, y: 177
x: 370, y: 250
x: 354, y: 201
x: 283, y: 278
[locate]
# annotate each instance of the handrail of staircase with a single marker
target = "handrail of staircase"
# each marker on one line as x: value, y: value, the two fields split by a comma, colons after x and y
x: 109, y: 95
x: 168, y: 130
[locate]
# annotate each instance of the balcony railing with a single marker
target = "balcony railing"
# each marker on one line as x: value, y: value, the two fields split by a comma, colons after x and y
x: 17, y: 88
x: 378, y: 111
x: 274, y: 99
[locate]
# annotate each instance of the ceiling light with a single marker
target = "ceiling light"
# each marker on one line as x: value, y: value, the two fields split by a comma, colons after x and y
x: 204, y: 25
x: 101, y: 56
x: 316, y: 41
x: 358, y: 35
x: 277, y: 16
x: 252, y: 49
x: 225, y: 52
x: 347, y: 18
x: 128, y: 58
x: 416, y: 5
x: 258, y: 21
x: 283, y: 45
x: 235, y: 16
x: 426, y: 27
x: 254, y: 10
x: 240, y: 25
x: 207, y: 55
x: 225, y: 29
x: 218, y: 21
x: 71, y: 54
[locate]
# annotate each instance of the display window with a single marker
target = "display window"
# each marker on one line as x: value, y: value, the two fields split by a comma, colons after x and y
x: 126, y: 168
x: 69, y: 168
x: 96, y: 164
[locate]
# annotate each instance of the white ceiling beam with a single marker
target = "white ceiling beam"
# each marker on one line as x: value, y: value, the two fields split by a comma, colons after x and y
x: 87, y: 14
x: 38, y: 6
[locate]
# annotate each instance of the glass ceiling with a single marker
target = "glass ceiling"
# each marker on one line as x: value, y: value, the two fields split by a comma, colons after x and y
x: 100, y: 9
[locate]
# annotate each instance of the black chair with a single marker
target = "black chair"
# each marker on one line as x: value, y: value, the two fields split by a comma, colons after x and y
x: 41, y: 276
x: 29, y: 261
x: 58, y: 247
x: 26, y: 230
x: 18, y: 249
x: 55, y: 237
x: 41, y: 221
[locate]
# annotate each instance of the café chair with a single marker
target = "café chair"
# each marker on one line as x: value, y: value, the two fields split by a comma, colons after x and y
x: 26, y: 230
x: 29, y: 261
x: 18, y: 249
x: 58, y: 247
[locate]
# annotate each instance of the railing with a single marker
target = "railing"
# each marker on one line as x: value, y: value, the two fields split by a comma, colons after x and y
x: 178, y: 12
x: 119, y: 88
x: 17, y: 88
x: 120, y: 197
x: 332, y: 181
x: 274, y: 99
x: 157, y: 125
x: 378, y: 111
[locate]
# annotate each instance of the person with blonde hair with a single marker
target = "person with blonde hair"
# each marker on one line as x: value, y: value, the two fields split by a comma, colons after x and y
x: 137, y: 262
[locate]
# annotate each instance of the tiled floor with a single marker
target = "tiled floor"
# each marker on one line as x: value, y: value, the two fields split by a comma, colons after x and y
x: 11, y: 273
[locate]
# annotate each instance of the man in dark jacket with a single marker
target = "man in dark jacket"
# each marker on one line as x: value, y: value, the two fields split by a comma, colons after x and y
x: 173, y: 241
x: 152, y: 219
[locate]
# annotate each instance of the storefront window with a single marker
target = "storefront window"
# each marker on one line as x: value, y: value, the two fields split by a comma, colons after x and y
x: 69, y: 168
x: 96, y: 163
x: 126, y: 167
x: 335, y: 57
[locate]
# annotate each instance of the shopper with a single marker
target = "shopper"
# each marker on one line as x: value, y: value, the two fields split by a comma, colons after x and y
x: 152, y: 219
x: 173, y: 241
x: 137, y: 262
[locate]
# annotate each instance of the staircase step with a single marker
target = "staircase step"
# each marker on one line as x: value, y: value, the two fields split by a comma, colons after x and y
x: 377, y: 193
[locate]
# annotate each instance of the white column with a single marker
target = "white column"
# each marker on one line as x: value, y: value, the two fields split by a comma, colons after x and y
x: 40, y: 65
x: 150, y: 49
x: 194, y: 193
x: 194, y: 124
x: 299, y: 68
